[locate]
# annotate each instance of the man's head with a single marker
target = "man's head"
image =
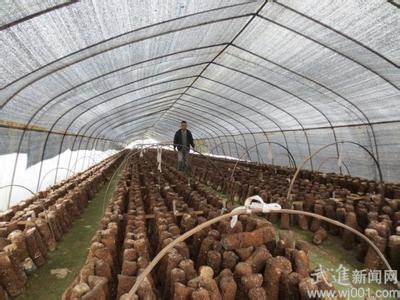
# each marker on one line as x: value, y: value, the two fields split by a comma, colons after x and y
x: 183, y: 125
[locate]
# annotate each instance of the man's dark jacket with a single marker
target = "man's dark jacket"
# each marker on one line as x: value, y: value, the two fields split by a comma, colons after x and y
x: 178, y: 139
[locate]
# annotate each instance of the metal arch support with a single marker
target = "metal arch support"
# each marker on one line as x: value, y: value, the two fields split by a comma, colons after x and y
x: 286, y: 156
x: 104, y: 93
x: 338, y: 32
x: 341, y: 54
x: 200, y: 119
x: 18, y: 185
x: 165, y: 33
x: 140, y: 98
x: 54, y: 169
x: 209, y: 113
x: 228, y: 118
x: 253, y: 110
x: 247, y: 107
x: 37, y: 111
x: 372, y: 156
x: 209, y: 129
x: 225, y: 120
x: 20, y: 89
x: 156, y: 74
x: 83, y: 157
x: 70, y: 109
x: 290, y: 155
x: 239, y: 103
x: 206, y: 132
x: 373, y: 141
x: 271, y: 104
x: 120, y: 86
x: 211, y: 122
x: 108, y: 118
x: 275, y: 143
x: 263, y: 100
x: 91, y: 154
x: 104, y: 123
x: 301, y: 99
x: 126, y: 43
x: 91, y: 98
x: 231, y: 142
x: 125, y: 111
x: 91, y: 161
x: 317, y: 41
x: 326, y: 146
x: 126, y: 84
x: 109, y: 124
x: 328, y: 47
x: 107, y: 91
x: 135, y: 120
x: 10, y: 193
x: 196, y: 116
x: 291, y: 158
x: 225, y: 108
x: 251, y: 19
x: 330, y: 158
x: 98, y: 156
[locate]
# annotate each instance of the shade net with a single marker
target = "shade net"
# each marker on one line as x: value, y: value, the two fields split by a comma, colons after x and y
x: 268, y: 81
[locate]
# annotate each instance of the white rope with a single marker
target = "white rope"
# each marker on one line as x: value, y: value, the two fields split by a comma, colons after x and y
x: 254, y: 202
x: 159, y: 159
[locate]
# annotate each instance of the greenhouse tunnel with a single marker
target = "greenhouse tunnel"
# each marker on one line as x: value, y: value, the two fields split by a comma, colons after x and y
x: 280, y: 84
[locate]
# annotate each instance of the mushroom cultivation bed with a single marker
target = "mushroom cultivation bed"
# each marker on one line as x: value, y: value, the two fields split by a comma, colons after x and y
x: 29, y: 230
x: 252, y: 260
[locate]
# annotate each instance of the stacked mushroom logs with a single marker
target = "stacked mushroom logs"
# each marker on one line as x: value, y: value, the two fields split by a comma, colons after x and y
x: 231, y: 263
x: 353, y: 201
x: 28, y: 231
x: 150, y: 209
x: 95, y: 280
x: 136, y: 250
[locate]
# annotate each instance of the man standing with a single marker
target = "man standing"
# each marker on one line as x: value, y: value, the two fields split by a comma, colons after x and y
x: 183, y: 139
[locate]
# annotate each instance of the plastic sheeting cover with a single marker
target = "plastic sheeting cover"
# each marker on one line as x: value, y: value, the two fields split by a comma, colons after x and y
x: 300, y: 73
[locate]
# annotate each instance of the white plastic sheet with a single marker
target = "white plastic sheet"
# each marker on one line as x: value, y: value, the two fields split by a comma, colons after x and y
x: 301, y: 74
